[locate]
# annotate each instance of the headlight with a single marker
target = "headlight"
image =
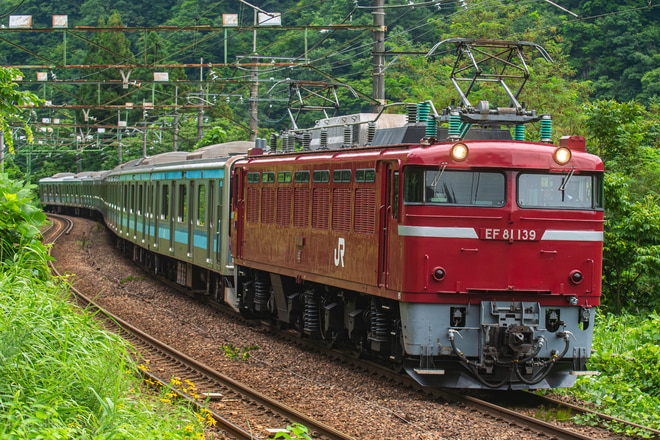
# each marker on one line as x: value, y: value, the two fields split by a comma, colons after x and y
x: 459, y: 152
x: 562, y: 155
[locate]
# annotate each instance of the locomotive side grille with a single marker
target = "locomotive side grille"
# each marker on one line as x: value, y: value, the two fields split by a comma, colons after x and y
x: 341, y: 209
x: 267, y: 205
x: 320, y: 208
x: 365, y: 206
x: 301, y: 208
x: 284, y: 206
x: 252, y: 203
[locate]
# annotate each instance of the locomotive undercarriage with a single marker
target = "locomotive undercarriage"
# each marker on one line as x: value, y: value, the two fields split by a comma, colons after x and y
x: 498, y: 345
x: 367, y: 325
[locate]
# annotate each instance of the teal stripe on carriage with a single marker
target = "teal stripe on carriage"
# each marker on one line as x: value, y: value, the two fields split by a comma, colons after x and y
x: 214, y: 174
x: 194, y: 174
x: 181, y: 235
x: 174, y: 175
x: 199, y: 239
x: 164, y: 232
x: 158, y: 176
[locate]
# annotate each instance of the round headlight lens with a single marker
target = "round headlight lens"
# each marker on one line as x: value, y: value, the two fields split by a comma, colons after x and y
x: 459, y: 152
x: 562, y: 155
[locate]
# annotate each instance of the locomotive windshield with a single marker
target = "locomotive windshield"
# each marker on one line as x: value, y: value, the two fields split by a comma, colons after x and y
x: 563, y: 191
x: 454, y: 187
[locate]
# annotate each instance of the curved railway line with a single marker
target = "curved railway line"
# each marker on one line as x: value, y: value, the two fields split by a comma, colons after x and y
x: 240, y: 404
x: 236, y: 403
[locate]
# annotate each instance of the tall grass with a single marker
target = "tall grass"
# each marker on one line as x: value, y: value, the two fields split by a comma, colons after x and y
x: 63, y: 377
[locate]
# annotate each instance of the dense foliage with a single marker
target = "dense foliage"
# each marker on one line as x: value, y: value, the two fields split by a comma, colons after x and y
x: 61, y: 375
x: 603, y: 84
x: 627, y: 351
x: 625, y: 135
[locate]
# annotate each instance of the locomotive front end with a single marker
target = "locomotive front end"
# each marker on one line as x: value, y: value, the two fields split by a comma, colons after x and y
x: 502, y: 253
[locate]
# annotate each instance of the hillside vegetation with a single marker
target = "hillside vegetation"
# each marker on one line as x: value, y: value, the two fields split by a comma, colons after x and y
x: 61, y: 375
x: 603, y: 84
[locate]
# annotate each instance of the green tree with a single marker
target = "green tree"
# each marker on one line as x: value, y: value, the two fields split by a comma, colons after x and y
x: 215, y: 135
x: 631, y: 251
x: 626, y: 136
x: 616, y: 49
x: 11, y: 101
x: 550, y: 88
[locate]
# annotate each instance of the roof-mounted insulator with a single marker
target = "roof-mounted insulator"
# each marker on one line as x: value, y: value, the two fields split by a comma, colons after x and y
x: 411, y: 110
x: 455, y: 126
x: 306, y: 140
x: 285, y: 143
x: 431, y: 129
x: 423, y: 110
x: 371, y: 132
x: 324, y: 139
x: 546, y: 128
x: 273, y: 143
x: 291, y: 145
x: 519, y: 132
x: 348, y: 136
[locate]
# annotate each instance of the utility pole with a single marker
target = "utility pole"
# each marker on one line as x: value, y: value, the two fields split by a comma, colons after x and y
x: 175, y: 137
x: 200, y: 117
x: 254, y: 85
x: 379, y: 55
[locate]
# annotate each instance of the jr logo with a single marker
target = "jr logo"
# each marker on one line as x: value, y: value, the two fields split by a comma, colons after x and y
x: 339, y: 252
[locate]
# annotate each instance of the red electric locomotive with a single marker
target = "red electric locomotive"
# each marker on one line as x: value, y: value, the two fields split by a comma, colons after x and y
x: 474, y: 261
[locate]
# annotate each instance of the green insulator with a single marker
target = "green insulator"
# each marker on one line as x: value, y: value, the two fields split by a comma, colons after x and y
x: 423, y: 110
x: 431, y: 130
x: 454, y: 125
x: 519, y: 132
x: 546, y: 129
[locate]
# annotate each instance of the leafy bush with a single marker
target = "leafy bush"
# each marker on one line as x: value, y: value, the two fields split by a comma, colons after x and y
x: 20, y: 223
x: 627, y: 356
x: 61, y: 376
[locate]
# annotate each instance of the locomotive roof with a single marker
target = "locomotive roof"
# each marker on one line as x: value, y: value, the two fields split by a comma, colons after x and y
x: 482, y: 153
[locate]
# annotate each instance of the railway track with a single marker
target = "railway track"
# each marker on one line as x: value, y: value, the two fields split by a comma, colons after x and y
x: 502, y: 405
x: 239, y: 411
x: 163, y: 366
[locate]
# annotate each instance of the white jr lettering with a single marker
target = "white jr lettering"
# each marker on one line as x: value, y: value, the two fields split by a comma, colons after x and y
x: 339, y: 252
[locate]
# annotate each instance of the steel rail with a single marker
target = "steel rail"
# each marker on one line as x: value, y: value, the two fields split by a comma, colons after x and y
x: 278, y: 407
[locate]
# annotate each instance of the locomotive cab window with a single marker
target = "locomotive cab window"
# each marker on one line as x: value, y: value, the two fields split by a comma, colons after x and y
x: 268, y: 177
x: 253, y: 178
x: 284, y: 177
x: 454, y: 187
x: 560, y: 191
